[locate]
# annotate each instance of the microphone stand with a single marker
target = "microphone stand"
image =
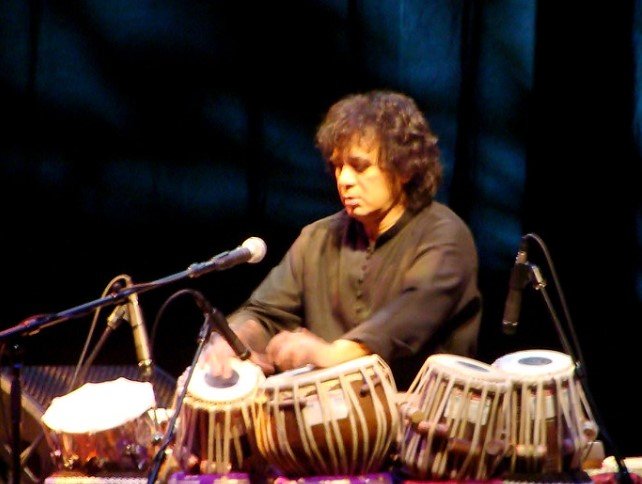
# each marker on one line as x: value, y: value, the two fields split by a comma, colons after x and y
x: 539, y: 284
x: 203, y: 337
x: 16, y: 391
x: 33, y: 324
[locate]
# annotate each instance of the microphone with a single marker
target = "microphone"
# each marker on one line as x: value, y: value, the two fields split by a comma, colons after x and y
x: 520, y: 275
x: 222, y: 326
x: 141, y: 341
x: 252, y: 251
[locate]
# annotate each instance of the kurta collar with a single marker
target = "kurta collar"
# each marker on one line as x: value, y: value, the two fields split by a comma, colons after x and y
x: 357, y: 234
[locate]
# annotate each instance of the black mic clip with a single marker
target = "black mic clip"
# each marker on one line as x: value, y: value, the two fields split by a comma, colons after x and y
x: 536, y: 277
x: 525, y: 273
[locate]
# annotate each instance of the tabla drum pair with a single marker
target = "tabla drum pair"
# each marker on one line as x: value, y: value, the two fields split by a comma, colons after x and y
x: 303, y: 422
x: 103, y: 427
x: 464, y: 419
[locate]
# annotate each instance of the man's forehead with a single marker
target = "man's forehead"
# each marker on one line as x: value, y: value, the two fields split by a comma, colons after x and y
x: 358, y: 145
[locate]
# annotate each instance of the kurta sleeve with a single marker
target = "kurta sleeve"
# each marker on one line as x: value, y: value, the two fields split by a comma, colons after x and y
x: 277, y: 302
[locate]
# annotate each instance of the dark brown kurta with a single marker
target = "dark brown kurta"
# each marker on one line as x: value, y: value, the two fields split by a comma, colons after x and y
x: 412, y: 293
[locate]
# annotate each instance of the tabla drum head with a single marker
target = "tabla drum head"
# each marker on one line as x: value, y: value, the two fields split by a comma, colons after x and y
x: 535, y: 363
x: 464, y: 368
x: 246, y: 378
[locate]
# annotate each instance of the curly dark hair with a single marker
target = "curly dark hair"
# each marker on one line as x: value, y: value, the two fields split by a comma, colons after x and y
x: 407, y: 146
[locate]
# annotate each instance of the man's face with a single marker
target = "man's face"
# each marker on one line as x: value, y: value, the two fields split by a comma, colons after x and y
x: 366, y: 191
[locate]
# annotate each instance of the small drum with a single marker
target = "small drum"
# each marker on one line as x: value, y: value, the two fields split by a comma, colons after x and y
x: 330, y: 421
x: 455, y: 420
x: 214, y: 431
x: 102, y: 427
x: 552, y: 425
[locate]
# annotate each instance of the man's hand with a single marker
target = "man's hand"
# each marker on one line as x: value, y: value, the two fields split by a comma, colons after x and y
x: 294, y: 349
x: 217, y: 354
x: 216, y: 357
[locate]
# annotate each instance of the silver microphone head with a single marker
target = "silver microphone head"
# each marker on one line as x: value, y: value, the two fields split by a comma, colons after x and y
x: 257, y: 248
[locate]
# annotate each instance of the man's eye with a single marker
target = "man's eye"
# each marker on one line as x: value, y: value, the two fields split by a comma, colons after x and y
x: 360, y: 165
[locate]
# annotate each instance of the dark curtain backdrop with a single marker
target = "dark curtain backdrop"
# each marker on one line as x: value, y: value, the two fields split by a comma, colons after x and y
x: 142, y: 136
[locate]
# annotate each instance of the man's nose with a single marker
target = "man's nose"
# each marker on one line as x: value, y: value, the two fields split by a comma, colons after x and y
x: 346, y: 176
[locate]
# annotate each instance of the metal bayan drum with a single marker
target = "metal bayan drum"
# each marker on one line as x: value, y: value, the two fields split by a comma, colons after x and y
x: 216, y: 422
x: 331, y: 421
x: 102, y: 427
x: 552, y: 425
x: 455, y: 420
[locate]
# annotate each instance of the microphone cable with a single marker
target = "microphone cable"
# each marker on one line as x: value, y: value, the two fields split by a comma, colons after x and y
x: 562, y: 299
x: 113, y: 286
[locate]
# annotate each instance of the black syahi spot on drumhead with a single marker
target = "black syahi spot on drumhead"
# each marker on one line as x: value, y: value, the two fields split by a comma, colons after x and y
x: 221, y: 382
x: 535, y: 361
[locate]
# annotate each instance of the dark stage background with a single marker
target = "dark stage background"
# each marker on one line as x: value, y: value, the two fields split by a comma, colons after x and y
x: 142, y: 136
